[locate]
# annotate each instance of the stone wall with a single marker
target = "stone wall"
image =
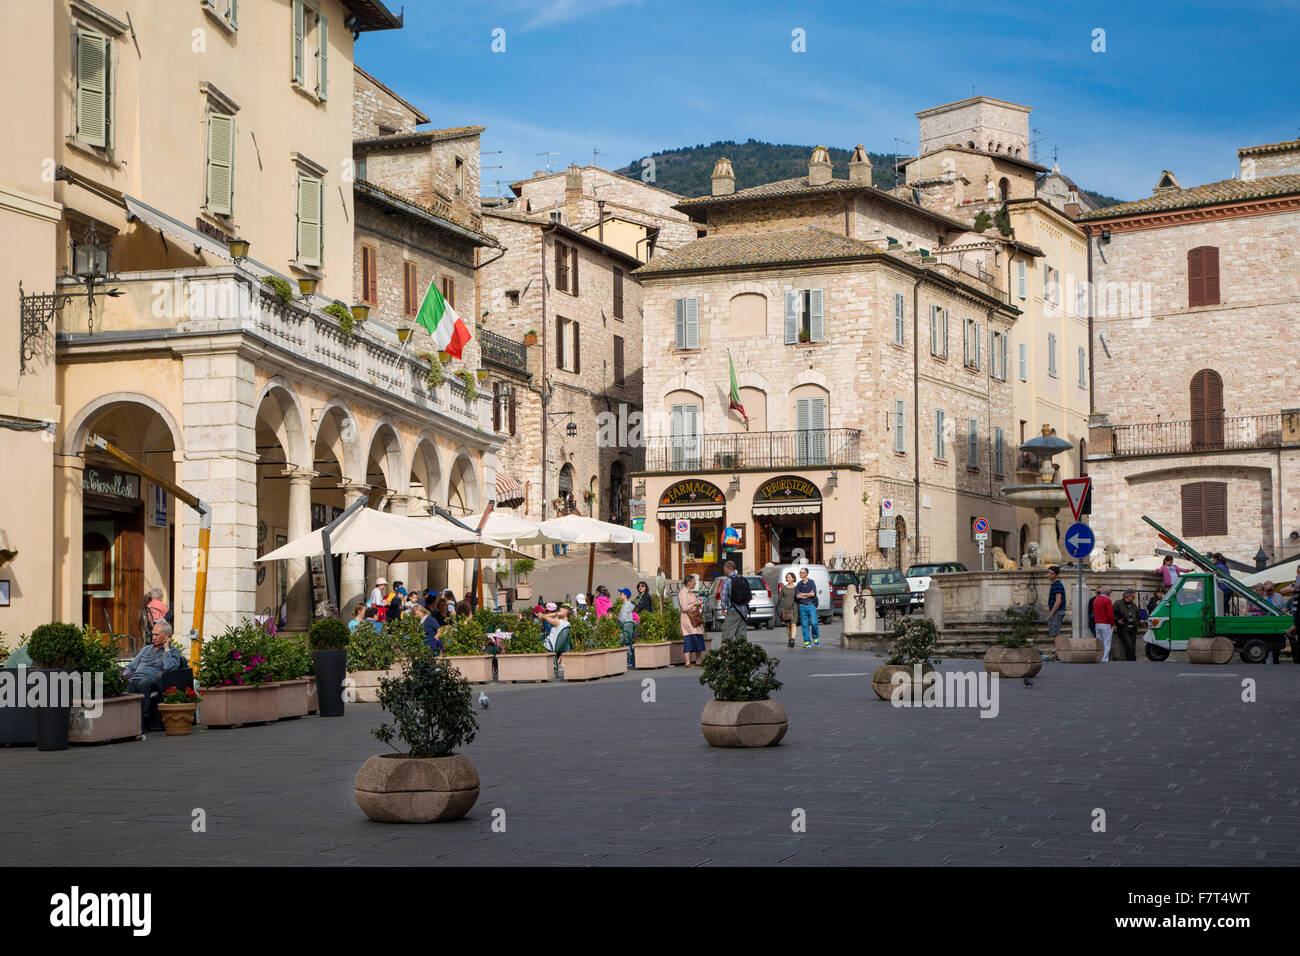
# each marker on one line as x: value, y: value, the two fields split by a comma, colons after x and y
x: 373, y: 106
x: 979, y: 120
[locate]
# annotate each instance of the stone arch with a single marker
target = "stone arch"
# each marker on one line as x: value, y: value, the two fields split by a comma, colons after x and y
x: 811, y: 377
x: 426, y: 471
x: 74, y: 435
x: 337, y: 423
x: 463, y: 488
x: 290, y: 425
x: 682, y: 382
x: 392, y: 460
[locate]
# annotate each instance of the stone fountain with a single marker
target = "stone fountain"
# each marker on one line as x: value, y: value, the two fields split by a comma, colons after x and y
x: 1046, y: 495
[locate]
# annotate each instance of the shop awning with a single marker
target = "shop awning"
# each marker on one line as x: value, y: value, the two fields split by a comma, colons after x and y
x: 135, y: 209
x: 700, y: 512
x: 761, y: 508
x: 509, y: 491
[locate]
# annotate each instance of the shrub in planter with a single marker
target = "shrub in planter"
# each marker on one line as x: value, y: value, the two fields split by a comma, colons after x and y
x: 55, y: 647
x: 289, y: 658
x: 524, y: 567
x: 525, y: 656
x: 915, y: 640
x: 1015, y: 655
x: 433, y: 713
x: 379, y: 650
x: 526, y: 638
x: 466, y: 643
x: 329, y: 639
x: 741, y: 714
x: 238, y: 657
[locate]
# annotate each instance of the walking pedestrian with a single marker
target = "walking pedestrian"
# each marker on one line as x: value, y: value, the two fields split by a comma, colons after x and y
x: 431, y: 628
x: 1055, y: 602
x: 733, y: 600
x: 692, y: 622
x: 1128, y: 618
x: 1104, y: 612
x: 789, y: 607
x: 805, y: 595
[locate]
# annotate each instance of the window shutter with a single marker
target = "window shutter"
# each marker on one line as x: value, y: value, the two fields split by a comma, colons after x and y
x: 692, y: 323
x: 1051, y: 353
x: 965, y: 341
x: 299, y: 32
x: 618, y: 360
x: 1193, y: 510
x: 1024, y: 362
x: 679, y: 324
x: 221, y: 163
x: 310, y: 196
x: 561, y: 279
x: 934, y: 330
x: 1195, y: 277
x: 1021, y: 278
x: 577, y: 348
x: 943, y: 330
x: 496, y: 406
x: 513, y: 403
x: 573, y: 271
x: 232, y: 13
x: 1214, y: 494
x: 973, y: 442
x: 92, y: 89
x: 449, y: 290
x: 618, y: 293
x: 817, y: 427
x: 997, y: 451
x: 322, y: 56
x: 373, y: 287
x: 801, y: 419
x: 1207, y: 409
x: 791, y: 318
x: 816, y: 322
x: 899, y: 338
x: 979, y: 344
x: 1083, y: 368
x: 900, y: 426
x: 559, y: 342
x: 1210, y: 276
x: 938, y: 433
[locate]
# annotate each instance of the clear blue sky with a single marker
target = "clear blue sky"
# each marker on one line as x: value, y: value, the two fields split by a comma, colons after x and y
x: 1180, y: 85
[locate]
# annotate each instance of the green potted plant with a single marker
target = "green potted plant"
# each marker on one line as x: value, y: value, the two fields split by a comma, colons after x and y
x: 105, y: 711
x: 464, y: 647
x: 525, y: 656
x: 742, y: 714
x: 530, y: 337
x: 347, y: 323
x: 651, y: 650
x: 433, y: 713
x: 1014, y: 655
x: 377, y: 650
x: 521, y: 569
x: 177, y: 710
x: 55, y: 650
x: 915, y: 641
x: 434, y: 378
x: 328, y: 638
x: 471, y: 384
x: 283, y: 291
x: 237, y: 675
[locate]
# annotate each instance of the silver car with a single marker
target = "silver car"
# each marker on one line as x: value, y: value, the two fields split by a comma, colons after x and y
x: 762, y: 608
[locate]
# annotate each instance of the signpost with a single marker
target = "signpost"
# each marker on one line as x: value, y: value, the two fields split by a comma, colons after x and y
x: 683, y: 529
x: 981, y: 535
x: 1076, y: 489
x: 887, y: 508
x: 1079, y: 542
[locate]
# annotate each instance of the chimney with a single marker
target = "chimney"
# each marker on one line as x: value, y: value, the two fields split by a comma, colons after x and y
x: 1072, y: 205
x: 724, y: 178
x: 573, y: 183
x: 860, y: 167
x: 819, y: 167
x: 1168, y: 183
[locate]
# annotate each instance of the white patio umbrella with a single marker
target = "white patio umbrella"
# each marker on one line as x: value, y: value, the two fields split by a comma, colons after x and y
x: 593, y: 532
x: 393, y: 538
x: 519, y: 531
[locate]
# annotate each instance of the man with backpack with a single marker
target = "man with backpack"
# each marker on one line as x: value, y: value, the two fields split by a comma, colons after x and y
x: 733, y: 601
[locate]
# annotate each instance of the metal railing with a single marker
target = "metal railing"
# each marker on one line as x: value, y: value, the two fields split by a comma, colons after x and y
x: 1198, y: 435
x: 502, y: 351
x: 807, y: 448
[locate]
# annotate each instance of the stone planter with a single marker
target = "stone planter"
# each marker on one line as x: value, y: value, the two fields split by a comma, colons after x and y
x: 1209, y: 650
x: 365, y: 684
x: 586, y: 665
x: 1013, y: 661
x: 677, y: 653
x: 394, y: 788
x: 232, y: 706
x: 178, y: 719
x: 743, y: 723
x: 882, y: 681
x: 475, y: 668
x: 523, y: 590
x: 524, y: 667
x: 292, y: 698
x: 1078, y: 650
x: 313, y: 702
x: 119, y: 720
x: 615, y: 661
x: 650, y: 656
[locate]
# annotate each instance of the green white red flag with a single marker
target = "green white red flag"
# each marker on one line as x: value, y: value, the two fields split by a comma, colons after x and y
x: 440, y: 320
x: 735, y: 391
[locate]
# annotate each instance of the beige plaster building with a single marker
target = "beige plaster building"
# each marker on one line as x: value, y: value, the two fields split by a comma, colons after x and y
x: 247, y: 394
x: 1196, y: 375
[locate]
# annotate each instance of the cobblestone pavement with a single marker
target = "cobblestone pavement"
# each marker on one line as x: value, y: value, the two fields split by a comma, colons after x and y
x: 1186, y: 772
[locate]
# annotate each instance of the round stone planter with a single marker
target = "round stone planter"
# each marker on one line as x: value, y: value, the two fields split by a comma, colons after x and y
x: 1209, y: 650
x: 1013, y: 661
x: 1078, y: 650
x: 743, y: 723
x: 177, y: 718
x: 395, y: 788
x: 882, y: 681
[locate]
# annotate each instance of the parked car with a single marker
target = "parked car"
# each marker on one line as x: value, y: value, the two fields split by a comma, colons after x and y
x: 890, y: 588
x: 819, y: 574
x: 839, y: 581
x: 762, y: 606
x: 918, y: 577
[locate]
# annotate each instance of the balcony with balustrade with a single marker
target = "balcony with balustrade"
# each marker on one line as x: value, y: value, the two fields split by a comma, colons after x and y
x: 502, y: 352
x: 755, y: 451
x: 1193, y: 436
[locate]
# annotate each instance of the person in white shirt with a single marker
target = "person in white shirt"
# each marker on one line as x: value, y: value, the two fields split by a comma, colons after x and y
x: 377, y: 596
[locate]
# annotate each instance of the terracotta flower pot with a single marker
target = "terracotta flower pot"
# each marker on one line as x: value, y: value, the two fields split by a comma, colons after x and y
x: 177, y: 718
x: 524, y: 667
x: 395, y: 788
x: 119, y: 720
x: 1078, y: 650
x: 1209, y: 650
x: 586, y: 665
x: 651, y: 656
x: 882, y: 681
x: 475, y: 668
x: 1013, y: 661
x: 743, y: 723
x: 530, y: 338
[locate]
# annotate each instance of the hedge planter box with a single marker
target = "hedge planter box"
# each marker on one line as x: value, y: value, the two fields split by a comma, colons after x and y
x: 475, y: 668
x: 1209, y: 650
x: 231, y: 706
x: 615, y: 661
x: 651, y: 656
x: 1078, y: 650
x: 743, y: 723
x: 395, y: 788
x: 677, y: 653
x: 120, y: 720
x: 882, y: 681
x: 586, y: 665
x: 292, y: 698
x: 365, y: 684
x: 1013, y: 661
x: 524, y: 667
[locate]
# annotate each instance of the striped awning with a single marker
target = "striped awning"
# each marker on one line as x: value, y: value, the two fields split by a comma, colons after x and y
x: 786, y: 508
x: 509, y: 491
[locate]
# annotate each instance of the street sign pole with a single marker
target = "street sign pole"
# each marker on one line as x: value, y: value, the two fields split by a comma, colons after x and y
x: 1079, y: 542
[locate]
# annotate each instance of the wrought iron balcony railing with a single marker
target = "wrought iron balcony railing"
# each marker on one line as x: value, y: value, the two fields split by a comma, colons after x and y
x: 733, y: 451
x: 1197, y: 435
x: 502, y: 351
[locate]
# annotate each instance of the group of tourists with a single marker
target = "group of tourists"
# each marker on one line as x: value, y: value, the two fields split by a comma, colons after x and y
x: 436, y: 609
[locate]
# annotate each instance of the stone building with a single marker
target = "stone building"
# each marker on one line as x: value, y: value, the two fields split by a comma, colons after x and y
x: 215, y: 365
x: 1196, y: 421
x: 873, y: 379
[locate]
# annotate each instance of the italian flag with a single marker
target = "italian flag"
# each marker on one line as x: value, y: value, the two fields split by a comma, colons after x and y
x: 449, y: 331
x: 735, y: 391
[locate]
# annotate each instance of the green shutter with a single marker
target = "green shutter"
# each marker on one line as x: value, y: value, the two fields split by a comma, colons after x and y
x: 322, y: 55
x: 310, y: 200
x: 791, y: 318
x: 692, y: 323
x: 221, y: 164
x: 816, y: 322
x: 679, y: 324
x: 92, y: 89
x: 232, y: 13
x: 299, y: 32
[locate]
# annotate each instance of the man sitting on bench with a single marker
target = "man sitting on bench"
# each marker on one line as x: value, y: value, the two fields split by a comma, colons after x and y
x: 154, y: 660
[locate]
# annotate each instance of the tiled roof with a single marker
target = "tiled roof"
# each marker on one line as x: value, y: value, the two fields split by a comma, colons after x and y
x: 721, y: 252
x: 416, y: 139
x: 443, y: 217
x: 420, y: 117
x: 1270, y: 148
x: 1211, y: 194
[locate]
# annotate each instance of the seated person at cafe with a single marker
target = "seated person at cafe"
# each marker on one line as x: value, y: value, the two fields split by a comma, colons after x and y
x: 153, y: 660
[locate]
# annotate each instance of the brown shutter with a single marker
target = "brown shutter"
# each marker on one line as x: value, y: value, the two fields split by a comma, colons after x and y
x: 1214, y: 495
x: 1207, y: 409
x: 573, y: 256
x: 1210, y: 275
x: 449, y: 290
x: 577, y: 349
x: 618, y: 293
x: 1195, y: 278
x: 406, y: 288
x: 496, y: 406
x: 512, y: 410
x: 559, y: 342
x: 561, y: 280
x: 1193, y: 510
x: 373, y: 287
x: 618, y: 360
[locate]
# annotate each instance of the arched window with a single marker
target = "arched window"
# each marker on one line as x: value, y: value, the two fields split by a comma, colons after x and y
x: 1207, y: 409
x: 1004, y: 188
x: 1203, y: 276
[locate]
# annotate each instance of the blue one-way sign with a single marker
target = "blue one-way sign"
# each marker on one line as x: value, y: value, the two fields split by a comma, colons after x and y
x: 1079, y: 540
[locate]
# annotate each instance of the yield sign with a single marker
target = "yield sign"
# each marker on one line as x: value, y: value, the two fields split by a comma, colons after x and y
x: 1076, y: 489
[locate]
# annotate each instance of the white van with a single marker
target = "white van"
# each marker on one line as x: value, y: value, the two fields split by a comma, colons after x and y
x: 819, y: 574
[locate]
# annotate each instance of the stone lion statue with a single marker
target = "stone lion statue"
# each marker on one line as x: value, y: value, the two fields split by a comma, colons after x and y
x: 1030, y: 557
x: 1001, y: 562
x: 1106, y: 559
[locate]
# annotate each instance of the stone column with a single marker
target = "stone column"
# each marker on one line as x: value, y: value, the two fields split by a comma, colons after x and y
x: 1049, y: 551
x: 400, y: 505
x: 352, y: 581
x: 299, y: 524
x: 68, y: 473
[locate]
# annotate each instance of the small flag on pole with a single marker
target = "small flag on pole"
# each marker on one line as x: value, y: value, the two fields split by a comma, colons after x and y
x: 440, y: 320
x: 735, y: 391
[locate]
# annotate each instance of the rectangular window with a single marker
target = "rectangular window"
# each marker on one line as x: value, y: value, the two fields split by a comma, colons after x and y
x: 449, y: 290
x: 460, y: 176
x: 1024, y: 362
x: 972, y: 443
x: 1051, y: 354
x: 618, y: 293
x: 899, y: 337
x: 410, y: 297
x: 322, y: 56
x: 1205, y: 508
x: 311, y: 202
x: 938, y: 331
x: 1022, y: 280
x: 971, y: 343
x: 1047, y: 282
x: 804, y: 321
x: 998, y: 355
x: 938, y: 434
x: 561, y: 267
x: 618, y: 360
x: 900, y: 427
x: 1081, y: 299
x: 220, y: 173
x: 685, y: 437
x: 94, y: 89
x: 997, y: 451
x: 687, y: 324
x: 369, y: 275
x: 1083, y: 368
x: 1203, y: 276
x: 568, y: 348
x: 810, y: 421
